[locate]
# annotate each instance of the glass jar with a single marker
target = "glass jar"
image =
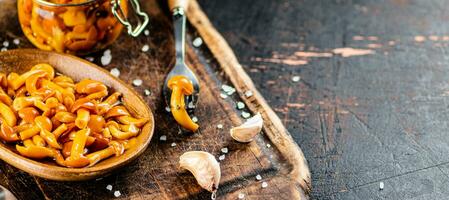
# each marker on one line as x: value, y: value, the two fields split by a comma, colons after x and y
x: 77, y: 26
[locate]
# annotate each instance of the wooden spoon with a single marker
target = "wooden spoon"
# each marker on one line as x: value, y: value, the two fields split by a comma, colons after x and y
x: 22, y: 60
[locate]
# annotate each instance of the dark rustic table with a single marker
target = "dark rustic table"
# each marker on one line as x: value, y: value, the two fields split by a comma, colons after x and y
x: 372, y: 102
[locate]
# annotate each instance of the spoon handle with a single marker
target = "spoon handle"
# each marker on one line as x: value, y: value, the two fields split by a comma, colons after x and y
x: 172, y: 4
x: 179, y: 23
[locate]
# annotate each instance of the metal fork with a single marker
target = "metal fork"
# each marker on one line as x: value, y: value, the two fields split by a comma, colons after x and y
x: 179, y: 22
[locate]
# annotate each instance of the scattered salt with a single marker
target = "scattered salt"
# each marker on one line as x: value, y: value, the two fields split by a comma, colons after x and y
x: 224, y: 150
x: 106, y: 59
x: 173, y: 144
x: 228, y: 89
x: 219, y: 126
x: 241, y: 196
x: 146, y: 32
x: 191, y: 105
x: 109, y: 187
x: 249, y: 93
x: 117, y: 193
x: 137, y: 82
x: 147, y: 92
x: 145, y: 48
x: 258, y: 177
x: 264, y: 184
x: 163, y: 138
x: 5, y: 43
x: 167, y: 109
x: 296, y: 78
x: 90, y: 59
x: 222, y: 157
x: 245, y: 115
x: 195, y: 119
x: 268, y: 145
x: 381, y: 185
x: 16, y: 41
x: 240, y: 105
x: 115, y: 72
x: 197, y: 42
x: 223, y: 95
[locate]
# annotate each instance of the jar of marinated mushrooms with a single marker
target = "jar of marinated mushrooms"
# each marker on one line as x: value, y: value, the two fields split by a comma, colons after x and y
x: 77, y: 26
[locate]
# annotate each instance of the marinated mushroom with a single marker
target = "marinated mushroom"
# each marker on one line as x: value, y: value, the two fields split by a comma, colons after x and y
x: 75, y: 124
x: 181, y: 86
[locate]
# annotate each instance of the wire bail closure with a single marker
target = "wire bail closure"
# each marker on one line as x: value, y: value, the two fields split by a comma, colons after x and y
x: 119, y: 14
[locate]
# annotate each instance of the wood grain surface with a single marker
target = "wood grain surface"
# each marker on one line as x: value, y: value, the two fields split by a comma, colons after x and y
x: 360, y: 120
x: 155, y: 174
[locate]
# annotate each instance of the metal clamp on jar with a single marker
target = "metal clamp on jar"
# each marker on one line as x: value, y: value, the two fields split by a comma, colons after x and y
x: 77, y: 26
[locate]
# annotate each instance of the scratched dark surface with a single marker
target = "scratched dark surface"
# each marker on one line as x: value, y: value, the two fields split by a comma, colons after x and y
x: 360, y: 120
x: 155, y: 174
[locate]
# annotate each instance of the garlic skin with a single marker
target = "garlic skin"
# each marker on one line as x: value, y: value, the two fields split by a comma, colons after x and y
x: 248, y: 130
x: 204, y: 167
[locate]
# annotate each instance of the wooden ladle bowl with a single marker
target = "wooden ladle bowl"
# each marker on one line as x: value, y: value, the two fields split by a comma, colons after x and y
x: 22, y: 60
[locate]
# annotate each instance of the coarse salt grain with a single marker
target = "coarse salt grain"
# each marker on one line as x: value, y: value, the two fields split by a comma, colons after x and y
x: 240, y: 105
x: 228, y: 89
x: 222, y: 157
x: 268, y: 145
x: 220, y: 126
x: 117, y: 193
x: 115, y: 72
x: 224, y: 150
x: 167, y: 109
x: 296, y: 78
x: 146, y: 32
x: 145, y: 48
x: 241, y: 196
x: 106, y: 59
x: 5, y: 43
x: 147, y: 92
x: 16, y: 41
x: 225, y: 87
x: 223, y: 95
x: 173, y: 144
x: 195, y: 119
x: 90, y: 59
x: 107, y: 52
x: 191, y: 105
x: 248, y: 93
x: 381, y: 185
x: 197, y: 42
x: 109, y: 187
x: 163, y: 138
x: 258, y: 177
x: 245, y: 115
x: 264, y: 184
x: 137, y: 82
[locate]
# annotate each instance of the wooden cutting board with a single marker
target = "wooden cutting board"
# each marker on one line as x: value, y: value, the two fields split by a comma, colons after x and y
x: 155, y: 175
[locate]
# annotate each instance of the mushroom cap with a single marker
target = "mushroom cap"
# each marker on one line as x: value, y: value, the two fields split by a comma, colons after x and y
x: 182, y: 82
x: 48, y: 69
x: 88, y: 86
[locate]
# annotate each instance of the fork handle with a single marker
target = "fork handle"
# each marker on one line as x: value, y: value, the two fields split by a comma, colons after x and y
x: 173, y: 4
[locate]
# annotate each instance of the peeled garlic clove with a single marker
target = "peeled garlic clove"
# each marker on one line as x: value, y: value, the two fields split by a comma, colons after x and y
x: 204, y: 167
x: 248, y: 130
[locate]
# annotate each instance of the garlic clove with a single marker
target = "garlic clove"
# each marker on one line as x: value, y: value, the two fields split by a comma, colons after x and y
x: 248, y: 130
x: 204, y: 167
